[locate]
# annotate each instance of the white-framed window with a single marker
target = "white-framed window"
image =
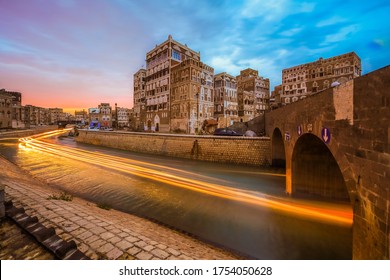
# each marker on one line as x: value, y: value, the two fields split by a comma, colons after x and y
x: 176, y: 55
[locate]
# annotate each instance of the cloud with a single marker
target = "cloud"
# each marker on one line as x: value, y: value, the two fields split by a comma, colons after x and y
x: 343, y: 34
x: 97, y: 46
x: 260, y: 8
x: 331, y: 21
x: 291, y: 32
x: 276, y: 9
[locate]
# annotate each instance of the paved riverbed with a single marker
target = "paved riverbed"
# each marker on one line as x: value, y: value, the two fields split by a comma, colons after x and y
x: 100, y: 233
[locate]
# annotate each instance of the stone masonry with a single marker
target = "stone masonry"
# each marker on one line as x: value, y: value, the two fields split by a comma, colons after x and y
x: 357, y: 116
x: 235, y: 150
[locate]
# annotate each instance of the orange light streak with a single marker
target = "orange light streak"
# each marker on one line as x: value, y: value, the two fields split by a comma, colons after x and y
x: 182, y: 179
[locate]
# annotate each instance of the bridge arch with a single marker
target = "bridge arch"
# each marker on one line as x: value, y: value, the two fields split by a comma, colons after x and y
x: 277, y: 149
x: 315, y: 170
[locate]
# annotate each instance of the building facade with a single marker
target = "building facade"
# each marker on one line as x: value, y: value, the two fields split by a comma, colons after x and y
x: 225, y: 99
x: 253, y: 94
x: 300, y: 81
x: 123, y: 116
x: 105, y: 115
x: 159, y: 63
x: 5, y: 110
x: 100, y: 117
x: 81, y: 117
x: 276, y: 95
x: 191, y: 95
x: 55, y: 115
x: 36, y: 116
x: 139, y: 101
x: 17, y: 113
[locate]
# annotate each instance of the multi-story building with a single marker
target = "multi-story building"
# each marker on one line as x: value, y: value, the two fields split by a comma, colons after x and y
x: 17, y: 113
x: 81, y: 117
x: 55, y: 115
x: 159, y: 63
x: 5, y: 110
x: 139, y: 100
x: 253, y: 94
x: 36, y: 116
x: 43, y: 116
x: 191, y: 95
x: 105, y: 115
x: 225, y: 99
x: 276, y: 95
x: 123, y: 117
x: 101, y: 117
x: 303, y: 80
x: 93, y: 117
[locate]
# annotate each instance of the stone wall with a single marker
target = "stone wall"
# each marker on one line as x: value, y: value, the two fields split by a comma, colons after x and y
x: 357, y: 115
x: 235, y: 150
x: 27, y: 132
x: 367, y: 148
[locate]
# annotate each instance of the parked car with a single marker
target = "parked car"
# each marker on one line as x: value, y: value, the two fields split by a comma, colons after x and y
x: 250, y: 133
x: 226, y: 132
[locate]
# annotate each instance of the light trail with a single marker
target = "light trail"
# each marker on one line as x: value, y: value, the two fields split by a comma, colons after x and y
x: 184, y: 179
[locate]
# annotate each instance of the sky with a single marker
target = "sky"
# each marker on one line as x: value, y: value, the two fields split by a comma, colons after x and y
x: 80, y: 53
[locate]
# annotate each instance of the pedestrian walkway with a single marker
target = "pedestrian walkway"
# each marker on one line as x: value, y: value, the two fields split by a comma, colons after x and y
x: 100, y: 233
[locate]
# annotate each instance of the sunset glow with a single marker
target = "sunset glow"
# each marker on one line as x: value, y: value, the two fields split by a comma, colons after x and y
x: 77, y: 54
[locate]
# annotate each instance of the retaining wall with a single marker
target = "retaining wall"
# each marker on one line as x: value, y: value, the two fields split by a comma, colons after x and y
x: 27, y: 132
x: 236, y: 150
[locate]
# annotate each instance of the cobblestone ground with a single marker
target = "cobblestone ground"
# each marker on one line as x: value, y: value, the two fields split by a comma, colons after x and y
x: 100, y: 233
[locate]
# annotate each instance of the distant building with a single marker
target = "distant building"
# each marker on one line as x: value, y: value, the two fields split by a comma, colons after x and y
x: 276, y: 97
x: 253, y: 94
x: 55, y: 115
x: 105, y: 115
x: 36, y: 116
x: 5, y: 110
x: 123, y: 115
x: 17, y: 109
x: 300, y: 81
x: 225, y: 99
x: 94, y: 116
x: 17, y: 113
x: 101, y: 117
x: 139, y: 100
x: 81, y: 117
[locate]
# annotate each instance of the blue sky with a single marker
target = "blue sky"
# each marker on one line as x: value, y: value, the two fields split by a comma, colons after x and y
x: 76, y: 54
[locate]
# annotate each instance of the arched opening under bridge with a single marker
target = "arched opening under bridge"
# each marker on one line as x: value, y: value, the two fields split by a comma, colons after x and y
x: 315, y: 171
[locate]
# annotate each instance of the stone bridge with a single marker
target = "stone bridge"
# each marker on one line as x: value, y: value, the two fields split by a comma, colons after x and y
x: 336, y: 144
